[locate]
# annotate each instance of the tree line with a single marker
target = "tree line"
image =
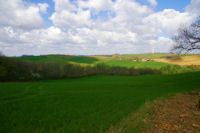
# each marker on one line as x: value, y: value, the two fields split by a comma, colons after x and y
x: 12, y: 69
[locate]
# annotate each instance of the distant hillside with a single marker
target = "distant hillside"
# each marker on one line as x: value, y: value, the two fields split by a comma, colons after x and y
x: 143, y: 56
x: 60, y: 59
x: 148, y: 55
x: 181, y: 60
x: 115, y: 60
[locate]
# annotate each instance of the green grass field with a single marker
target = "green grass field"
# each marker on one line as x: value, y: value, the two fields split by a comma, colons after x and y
x: 109, y: 61
x: 92, y: 60
x: 61, y: 59
x: 87, y: 60
x: 136, y: 64
x: 84, y: 105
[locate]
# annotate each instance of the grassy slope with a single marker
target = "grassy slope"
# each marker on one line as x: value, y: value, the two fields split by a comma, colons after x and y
x: 129, y: 64
x: 153, y: 56
x: 63, y: 59
x: 148, y: 55
x: 107, y: 60
x: 92, y: 60
x: 182, y: 60
x: 86, y: 105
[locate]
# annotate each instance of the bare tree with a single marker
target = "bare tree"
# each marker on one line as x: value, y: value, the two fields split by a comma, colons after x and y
x: 188, y: 38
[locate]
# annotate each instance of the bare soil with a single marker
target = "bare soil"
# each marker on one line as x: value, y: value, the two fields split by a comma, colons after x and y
x: 179, y: 114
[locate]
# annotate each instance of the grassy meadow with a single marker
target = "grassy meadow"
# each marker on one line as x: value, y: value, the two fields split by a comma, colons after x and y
x: 90, y: 104
x: 117, y: 61
x: 84, y: 105
x: 181, y: 60
x: 148, y: 55
x: 112, y: 60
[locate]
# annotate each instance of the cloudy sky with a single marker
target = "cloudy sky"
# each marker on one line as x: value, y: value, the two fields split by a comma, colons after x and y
x: 88, y: 27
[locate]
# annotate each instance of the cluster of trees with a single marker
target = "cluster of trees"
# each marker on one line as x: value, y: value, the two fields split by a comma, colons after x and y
x: 15, y: 70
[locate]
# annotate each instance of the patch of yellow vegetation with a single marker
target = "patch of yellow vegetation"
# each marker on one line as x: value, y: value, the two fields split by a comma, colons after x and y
x: 181, y: 60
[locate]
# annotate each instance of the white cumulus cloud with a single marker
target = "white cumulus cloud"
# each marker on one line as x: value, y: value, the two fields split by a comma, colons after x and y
x: 20, y: 14
x: 90, y: 27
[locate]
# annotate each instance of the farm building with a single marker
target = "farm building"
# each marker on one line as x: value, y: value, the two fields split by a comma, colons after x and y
x: 135, y: 59
x: 145, y: 60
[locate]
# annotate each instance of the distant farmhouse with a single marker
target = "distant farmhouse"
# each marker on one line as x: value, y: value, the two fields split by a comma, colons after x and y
x: 134, y: 59
x: 146, y: 60
x: 143, y: 60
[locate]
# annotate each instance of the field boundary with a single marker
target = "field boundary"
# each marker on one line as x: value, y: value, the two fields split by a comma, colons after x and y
x: 149, y: 117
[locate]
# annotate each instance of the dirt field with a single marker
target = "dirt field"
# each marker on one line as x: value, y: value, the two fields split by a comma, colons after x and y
x: 176, y: 115
x: 181, y: 60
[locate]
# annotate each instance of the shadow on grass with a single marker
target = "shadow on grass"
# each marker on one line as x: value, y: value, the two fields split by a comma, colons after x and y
x: 82, y: 59
x: 32, y: 58
x: 173, y: 58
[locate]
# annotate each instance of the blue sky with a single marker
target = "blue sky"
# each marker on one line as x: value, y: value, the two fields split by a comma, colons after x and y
x: 92, y: 27
x: 50, y: 10
x: 178, y: 5
x: 162, y: 4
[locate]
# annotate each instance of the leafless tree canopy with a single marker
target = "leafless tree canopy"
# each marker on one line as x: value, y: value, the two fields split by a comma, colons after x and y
x: 188, y: 39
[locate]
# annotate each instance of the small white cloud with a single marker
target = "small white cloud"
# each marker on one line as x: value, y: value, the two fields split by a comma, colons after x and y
x: 61, y: 5
x: 152, y: 2
x: 43, y: 7
x: 97, y: 5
